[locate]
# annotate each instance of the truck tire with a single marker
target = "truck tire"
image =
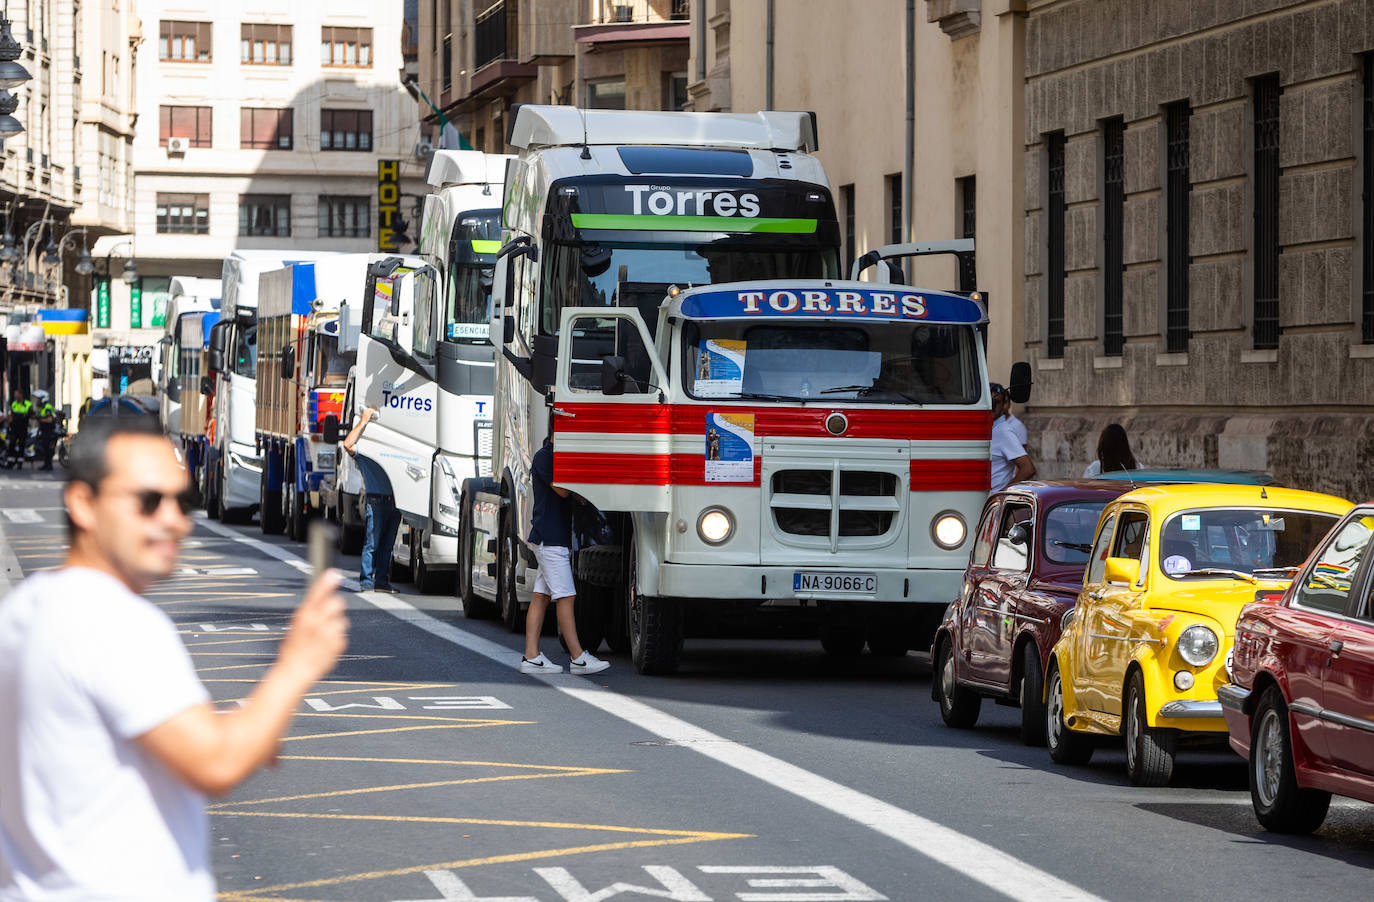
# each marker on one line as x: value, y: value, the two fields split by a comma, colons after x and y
x: 294, y: 504
x: 655, y: 625
x: 601, y: 565
x: 351, y: 533
x: 270, y: 518
x: 211, y: 492
x: 427, y: 580
x: 509, y: 600
x: 474, y: 606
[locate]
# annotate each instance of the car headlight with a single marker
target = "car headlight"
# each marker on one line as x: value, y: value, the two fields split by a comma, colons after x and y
x: 1198, y: 645
x: 715, y: 525
x: 948, y: 530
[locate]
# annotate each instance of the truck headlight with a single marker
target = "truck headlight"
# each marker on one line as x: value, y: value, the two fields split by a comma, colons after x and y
x: 1198, y: 645
x: 715, y: 525
x: 948, y: 530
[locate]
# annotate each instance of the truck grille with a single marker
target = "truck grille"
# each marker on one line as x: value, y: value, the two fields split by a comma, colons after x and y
x: 482, y: 442
x: 835, y: 503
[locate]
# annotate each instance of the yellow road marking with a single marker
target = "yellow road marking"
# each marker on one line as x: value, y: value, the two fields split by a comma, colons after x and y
x: 343, y: 691
x: 504, y: 778
x: 232, y: 642
x: 179, y: 592
x: 414, y: 728
x: 268, y: 663
x: 396, y: 716
x: 567, y: 767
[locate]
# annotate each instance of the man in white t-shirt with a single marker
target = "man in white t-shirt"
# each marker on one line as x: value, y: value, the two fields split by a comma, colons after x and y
x: 108, y: 740
x: 1010, y: 460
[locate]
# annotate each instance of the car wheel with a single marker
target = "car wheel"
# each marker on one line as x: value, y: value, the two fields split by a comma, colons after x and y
x: 840, y: 641
x: 655, y: 626
x: 511, y: 615
x: 1280, y: 804
x: 1150, y: 750
x: 1032, y: 696
x: 1066, y: 746
x: 958, y: 706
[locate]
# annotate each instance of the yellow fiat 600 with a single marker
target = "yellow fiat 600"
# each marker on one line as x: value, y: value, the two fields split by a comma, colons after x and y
x: 1149, y: 640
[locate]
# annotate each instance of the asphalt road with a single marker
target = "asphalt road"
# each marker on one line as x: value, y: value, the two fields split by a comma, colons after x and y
x: 428, y: 768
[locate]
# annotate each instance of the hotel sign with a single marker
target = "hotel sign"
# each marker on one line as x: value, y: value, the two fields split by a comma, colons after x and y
x: 388, y: 204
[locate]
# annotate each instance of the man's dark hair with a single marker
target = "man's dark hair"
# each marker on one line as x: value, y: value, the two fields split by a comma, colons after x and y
x: 87, y: 461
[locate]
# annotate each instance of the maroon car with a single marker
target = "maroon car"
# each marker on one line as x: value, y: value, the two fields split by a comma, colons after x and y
x: 1024, y: 572
x: 1300, y: 704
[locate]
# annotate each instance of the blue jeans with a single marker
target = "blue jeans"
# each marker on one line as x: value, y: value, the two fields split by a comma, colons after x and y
x: 381, y: 520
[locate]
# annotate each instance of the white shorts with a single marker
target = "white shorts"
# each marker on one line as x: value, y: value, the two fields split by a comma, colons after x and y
x: 554, y: 577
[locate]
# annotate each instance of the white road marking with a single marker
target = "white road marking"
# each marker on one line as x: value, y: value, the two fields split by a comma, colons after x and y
x: 963, y: 854
x: 23, y: 515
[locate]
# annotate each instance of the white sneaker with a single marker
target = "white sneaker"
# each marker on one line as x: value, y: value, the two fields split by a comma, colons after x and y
x: 587, y: 664
x: 539, y: 664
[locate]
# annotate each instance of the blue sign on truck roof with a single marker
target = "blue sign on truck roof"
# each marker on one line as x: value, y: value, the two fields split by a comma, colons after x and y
x: 885, y: 302
x: 302, y: 288
x: 207, y: 321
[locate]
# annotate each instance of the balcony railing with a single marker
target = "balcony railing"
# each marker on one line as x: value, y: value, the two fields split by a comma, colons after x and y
x: 489, y: 41
x: 606, y: 12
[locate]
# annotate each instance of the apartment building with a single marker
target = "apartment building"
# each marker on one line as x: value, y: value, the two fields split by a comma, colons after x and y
x: 478, y: 58
x: 270, y: 124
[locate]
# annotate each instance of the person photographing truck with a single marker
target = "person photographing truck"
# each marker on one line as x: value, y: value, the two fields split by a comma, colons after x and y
x: 551, y: 541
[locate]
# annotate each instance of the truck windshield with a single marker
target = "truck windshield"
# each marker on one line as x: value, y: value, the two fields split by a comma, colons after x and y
x: 853, y: 360
x: 246, y: 351
x: 333, y: 366
x: 591, y: 275
x: 476, y: 239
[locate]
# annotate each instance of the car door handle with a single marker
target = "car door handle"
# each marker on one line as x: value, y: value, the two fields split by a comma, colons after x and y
x: 1096, y: 594
x: 1336, y: 646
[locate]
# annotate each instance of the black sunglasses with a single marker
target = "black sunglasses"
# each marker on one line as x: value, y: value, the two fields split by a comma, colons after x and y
x: 150, y: 500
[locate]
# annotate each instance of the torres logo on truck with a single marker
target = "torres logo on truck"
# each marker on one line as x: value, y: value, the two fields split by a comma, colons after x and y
x: 394, y: 398
x: 662, y: 200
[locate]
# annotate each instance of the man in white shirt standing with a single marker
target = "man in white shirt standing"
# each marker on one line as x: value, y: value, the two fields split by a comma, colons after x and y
x: 1010, y: 460
x: 108, y: 740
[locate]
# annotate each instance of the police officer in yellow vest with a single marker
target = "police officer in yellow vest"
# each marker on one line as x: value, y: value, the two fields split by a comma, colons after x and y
x: 17, y: 426
x: 47, y: 428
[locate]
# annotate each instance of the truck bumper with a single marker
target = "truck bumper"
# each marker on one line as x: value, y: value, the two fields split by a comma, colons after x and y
x: 442, y: 552
x: 242, y: 476
x: 766, y: 583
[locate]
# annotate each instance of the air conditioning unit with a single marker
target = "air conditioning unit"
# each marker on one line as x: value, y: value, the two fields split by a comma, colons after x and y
x: 178, y: 145
x: 424, y: 149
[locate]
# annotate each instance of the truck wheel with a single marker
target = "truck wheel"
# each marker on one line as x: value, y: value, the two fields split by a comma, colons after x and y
x: 601, y: 565
x: 396, y: 570
x: 427, y: 580
x: 270, y: 519
x: 511, y: 615
x: 589, y: 610
x: 211, y: 492
x: 474, y: 607
x: 351, y: 534
x: 655, y: 625
x: 294, y: 503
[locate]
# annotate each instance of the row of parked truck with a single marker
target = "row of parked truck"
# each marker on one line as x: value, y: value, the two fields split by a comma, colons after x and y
x: 661, y: 294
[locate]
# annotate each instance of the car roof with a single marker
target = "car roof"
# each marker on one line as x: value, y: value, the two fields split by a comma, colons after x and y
x: 1052, y: 490
x: 1190, y: 474
x: 1168, y: 498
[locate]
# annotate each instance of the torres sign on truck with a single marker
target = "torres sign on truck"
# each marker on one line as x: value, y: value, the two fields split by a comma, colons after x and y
x: 425, y: 359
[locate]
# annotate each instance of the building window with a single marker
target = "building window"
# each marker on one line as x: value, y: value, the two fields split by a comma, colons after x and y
x: 847, y: 199
x: 968, y: 228
x: 345, y: 130
x: 679, y: 10
x: 1113, y: 217
x: 183, y: 214
x: 1266, y: 187
x: 345, y: 217
x: 265, y: 215
x: 489, y: 35
x: 265, y: 129
x: 675, y: 91
x: 606, y: 95
x: 189, y: 122
x: 894, y: 209
x: 1367, y: 239
x: 448, y: 62
x: 1054, y: 306
x: 1177, y: 190
x: 345, y: 46
x: 183, y: 42
x: 265, y: 45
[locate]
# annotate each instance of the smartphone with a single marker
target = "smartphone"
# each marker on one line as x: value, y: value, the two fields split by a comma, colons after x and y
x: 320, y: 542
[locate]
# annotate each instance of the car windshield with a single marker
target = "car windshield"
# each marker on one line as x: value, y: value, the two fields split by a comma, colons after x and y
x: 476, y: 239
x: 1222, y: 543
x: 638, y: 275
x: 1069, y: 530
x: 877, y: 362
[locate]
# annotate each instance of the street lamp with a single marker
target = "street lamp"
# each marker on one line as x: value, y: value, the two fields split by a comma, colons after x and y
x: 130, y: 271
x: 53, y: 254
x: 12, y: 74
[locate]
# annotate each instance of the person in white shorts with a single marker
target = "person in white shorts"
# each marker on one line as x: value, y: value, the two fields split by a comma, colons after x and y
x: 551, y: 541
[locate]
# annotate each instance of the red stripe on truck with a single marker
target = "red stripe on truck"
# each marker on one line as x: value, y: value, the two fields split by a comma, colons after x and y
x: 690, y: 419
x: 596, y: 468
x: 951, y: 476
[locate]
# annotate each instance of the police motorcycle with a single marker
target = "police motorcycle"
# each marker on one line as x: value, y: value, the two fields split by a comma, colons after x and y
x: 20, y: 449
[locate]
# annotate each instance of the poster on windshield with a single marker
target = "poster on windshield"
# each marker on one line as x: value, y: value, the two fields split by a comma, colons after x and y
x: 729, y: 447
x: 719, y: 368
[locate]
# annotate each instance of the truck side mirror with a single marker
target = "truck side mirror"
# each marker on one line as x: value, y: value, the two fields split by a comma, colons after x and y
x: 207, y: 386
x: 1020, y: 385
x: 507, y: 329
x: 288, y: 362
x: 330, y: 431
x: 215, y: 359
x: 173, y: 387
x: 613, y: 375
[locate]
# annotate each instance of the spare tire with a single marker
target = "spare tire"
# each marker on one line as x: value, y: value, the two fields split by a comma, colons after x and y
x: 601, y: 565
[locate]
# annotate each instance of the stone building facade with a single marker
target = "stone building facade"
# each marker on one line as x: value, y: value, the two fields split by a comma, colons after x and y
x: 1198, y: 243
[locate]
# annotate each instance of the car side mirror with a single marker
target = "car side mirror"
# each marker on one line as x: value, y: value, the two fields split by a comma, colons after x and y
x: 1020, y: 385
x: 1122, y: 571
x: 173, y: 387
x: 1019, y: 534
x: 288, y: 362
x: 330, y: 431
x: 613, y: 375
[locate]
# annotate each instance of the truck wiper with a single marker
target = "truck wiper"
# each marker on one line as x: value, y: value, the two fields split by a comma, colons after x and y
x: 1217, y: 571
x: 761, y: 396
x: 869, y: 389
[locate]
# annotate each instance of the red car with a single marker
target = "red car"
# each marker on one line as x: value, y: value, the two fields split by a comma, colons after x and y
x: 1024, y: 573
x: 1300, y: 704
